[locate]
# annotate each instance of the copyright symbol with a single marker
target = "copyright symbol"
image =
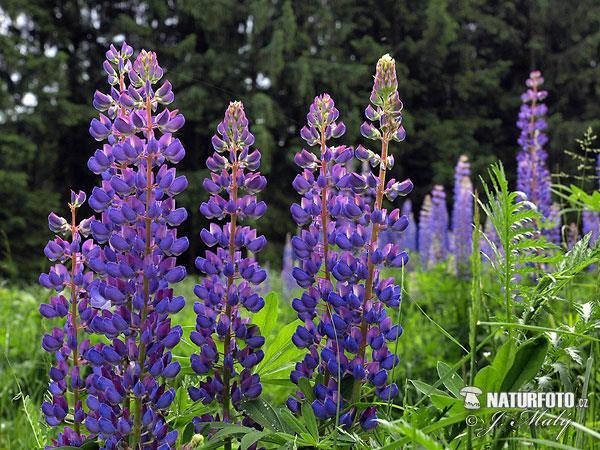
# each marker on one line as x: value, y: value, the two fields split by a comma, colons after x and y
x: 471, y: 421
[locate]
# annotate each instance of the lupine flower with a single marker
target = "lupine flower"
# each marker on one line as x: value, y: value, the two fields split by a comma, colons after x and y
x: 438, y: 227
x: 533, y: 176
x: 591, y: 219
x: 492, y: 237
x: 553, y: 224
x: 288, y: 264
x: 408, y: 239
x: 325, y: 207
x: 335, y: 209
x: 424, y: 236
x: 591, y: 224
x: 462, y: 215
x: 229, y: 291
x: 572, y: 235
x: 70, y: 280
x: 128, y: 396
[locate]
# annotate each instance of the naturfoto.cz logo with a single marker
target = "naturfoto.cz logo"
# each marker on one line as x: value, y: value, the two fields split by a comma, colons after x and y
x: 522, y: 400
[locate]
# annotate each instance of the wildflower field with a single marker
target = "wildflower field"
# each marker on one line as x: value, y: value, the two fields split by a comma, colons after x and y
x: 463, y: 318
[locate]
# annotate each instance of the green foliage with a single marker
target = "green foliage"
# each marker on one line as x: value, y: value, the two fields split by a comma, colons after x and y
x: 522, y: 248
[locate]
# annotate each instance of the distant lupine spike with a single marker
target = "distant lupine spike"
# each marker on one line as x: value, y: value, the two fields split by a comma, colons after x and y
x: 128, y: 394
x: 553, y: 222
x: 572, y: 235
x: 424, y: 235
x: 462, y: 216
x: 533, y: 176
x: 492, y: 237
x: 68, y: 275
x: 408, y: 239
x: 232, y: 281
x: 288, y: 263
x: 591, y: 224
x: 438, y: 227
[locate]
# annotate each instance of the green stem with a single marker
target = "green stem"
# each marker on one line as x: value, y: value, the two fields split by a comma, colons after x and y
x: 370, y: 266
x: 137, y: 428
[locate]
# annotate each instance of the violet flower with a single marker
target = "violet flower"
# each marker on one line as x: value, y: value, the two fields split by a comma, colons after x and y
x: 408, y: 239
x: 68, y: 275
x: 424, y: 234
x: 228, y: 292
x: 336, y: 207
x: 288, y: 263
x: 492, y: 238
x: 438, y: 227
x: 591, y: 224
x: 327, y: 210
x: 128, y: 397
x: 533, y: 176
x: 462, y: 216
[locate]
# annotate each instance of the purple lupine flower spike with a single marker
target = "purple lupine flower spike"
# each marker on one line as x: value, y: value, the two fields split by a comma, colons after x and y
x: 533, y: 176
x: 424, y: 238
x: 408, y: 239
x: 327, y: 209
x: 70, y: 279
x: 288, y: 264
x: 591, y: 219
x: 438, y: 227
x: 336, y: 208
x: 462, y: 216
x: 229, y: 292
x: 128, y: 394
x: 492, y: 238
x: 343, y: 306
x: 373, y: 328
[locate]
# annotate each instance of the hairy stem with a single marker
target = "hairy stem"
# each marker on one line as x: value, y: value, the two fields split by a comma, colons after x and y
x: 74, y: 321
x: 370, y: 266
x: 137, y: 434
x: 230, y: 281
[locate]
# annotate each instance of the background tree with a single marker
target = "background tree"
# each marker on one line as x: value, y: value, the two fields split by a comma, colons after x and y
x: 461, y: 65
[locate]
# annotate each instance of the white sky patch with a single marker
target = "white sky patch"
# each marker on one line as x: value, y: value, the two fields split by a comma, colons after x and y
x: 51, y: 88
x: 50, y: 51
x: 119, y: 38
x: 262, y: 81
x: 171, y: 21
x: 15, y: 77
x: 5, y: 22
x: 29, y: 100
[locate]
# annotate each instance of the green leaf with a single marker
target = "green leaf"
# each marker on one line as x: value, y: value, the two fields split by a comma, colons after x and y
x: 412, y: 433
x: 251, y: 438
x: 527, y: 362
x: 488, y: 379
x: 291, y: 421
x: 445, y: 401
x: 450, y: 378
x: 427, y: 389
x: 262, y: 412
x: 306, y: 388
x: 311, y: 421
x: 280, y: 353
x: 266, y: 318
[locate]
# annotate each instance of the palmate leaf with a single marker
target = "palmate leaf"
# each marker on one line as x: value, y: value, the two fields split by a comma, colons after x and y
x: 522, y: 248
